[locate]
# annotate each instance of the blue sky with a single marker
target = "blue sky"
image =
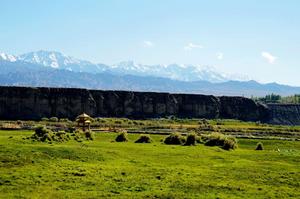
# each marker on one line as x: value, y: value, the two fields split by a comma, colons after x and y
x: 257, y: 38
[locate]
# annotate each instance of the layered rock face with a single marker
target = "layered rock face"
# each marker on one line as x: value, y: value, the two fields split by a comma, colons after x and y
x: 35, y: 103
x: 284, y: 114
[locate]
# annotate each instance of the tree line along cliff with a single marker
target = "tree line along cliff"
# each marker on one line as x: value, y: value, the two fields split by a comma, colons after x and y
x: 28, y: 103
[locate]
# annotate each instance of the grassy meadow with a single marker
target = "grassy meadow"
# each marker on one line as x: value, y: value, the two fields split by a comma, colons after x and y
x: 103, y: 168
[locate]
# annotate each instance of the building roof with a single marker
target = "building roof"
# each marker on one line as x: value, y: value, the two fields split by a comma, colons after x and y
x: 83, y: 115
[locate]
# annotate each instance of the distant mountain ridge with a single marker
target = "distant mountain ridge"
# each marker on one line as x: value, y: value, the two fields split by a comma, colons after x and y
x: 53, y: 69
x: 181, y: 72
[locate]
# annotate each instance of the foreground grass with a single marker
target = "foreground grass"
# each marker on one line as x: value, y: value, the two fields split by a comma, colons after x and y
x: 106, y: 169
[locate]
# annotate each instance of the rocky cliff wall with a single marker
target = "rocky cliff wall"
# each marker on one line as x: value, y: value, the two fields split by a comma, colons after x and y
x: 35, y: 103
x: 288, y: 114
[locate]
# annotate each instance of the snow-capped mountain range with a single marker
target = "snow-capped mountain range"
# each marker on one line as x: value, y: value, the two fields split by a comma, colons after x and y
x: 7, y: 57
x: 58, y: 60
x: 53, y: 69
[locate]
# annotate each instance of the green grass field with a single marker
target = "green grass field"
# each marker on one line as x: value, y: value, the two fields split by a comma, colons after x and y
x: 106, y: 169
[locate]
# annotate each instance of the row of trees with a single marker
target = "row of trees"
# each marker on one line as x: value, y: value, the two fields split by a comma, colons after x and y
x: 273, y: 98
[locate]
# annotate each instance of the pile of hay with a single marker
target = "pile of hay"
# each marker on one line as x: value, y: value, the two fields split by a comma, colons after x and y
x: 221, y: 140
x: 259, y: 146
x: 144, y: 139
x: 44, y: 134
x: 175, y: 139
x: 191, y: 139
x: 122, y: 137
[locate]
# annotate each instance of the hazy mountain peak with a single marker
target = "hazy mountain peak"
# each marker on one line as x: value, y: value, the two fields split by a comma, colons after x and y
x: 7, y: 57
x: 182, y: 72
x: 126, y: 64
x: 33, y: 69
x: 48, y: 58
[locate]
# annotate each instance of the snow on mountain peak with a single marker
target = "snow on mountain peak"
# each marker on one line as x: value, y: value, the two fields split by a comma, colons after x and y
x: 183, y: 72
x: 48, y: 58
x: 7, y: 57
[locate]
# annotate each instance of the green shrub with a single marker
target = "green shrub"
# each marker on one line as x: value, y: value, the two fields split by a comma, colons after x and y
x: 230, y: 143
x: 144, y: 139
x: 53, y: 119
x: 118, y: 122
x: 215, y: 139
x: 43, y: 134
x: 78, y: 131
x: 45, y: 119
x: 218, y: 139
x: 89, y: 135
x: 174, y: 138
x: 259, y: 146
x: 19, y: 122
x: 61, y: 136
x: 191, y: 139
x: 47, y: 137
x: 41, y: 130
x: 172, y: 117
x: 122, y: 137
x: 183, y: 139
x: 64, y: 120
x: 100, y: 120
x: 199, y: 140
x: 218, y: 122
x: 71, y: 129
x: 77, y: 134
x: 80, y: 136
x: 258, y: 123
